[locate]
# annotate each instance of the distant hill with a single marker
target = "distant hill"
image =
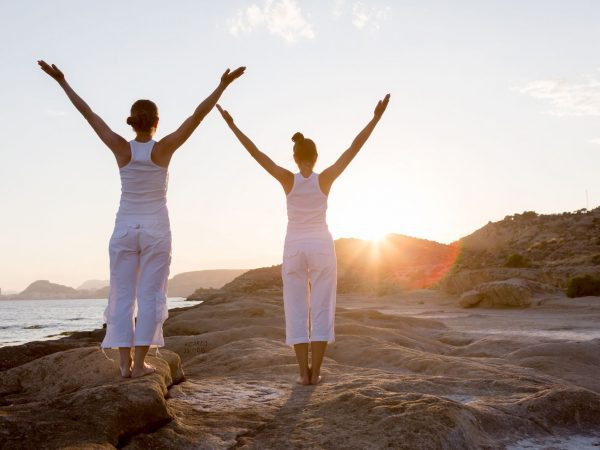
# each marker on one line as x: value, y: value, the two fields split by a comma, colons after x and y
x: 42, y: 289
x: 543, y: 251
x: 183, y: 284
x: 549, y: 249
x: 93, y: 285
x: 399, y: 262
x: 46, y: 290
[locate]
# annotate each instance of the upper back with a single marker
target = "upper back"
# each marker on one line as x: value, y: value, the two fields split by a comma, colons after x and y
x: 306, y: 203
x: 143, y: 182
x: 140, y: 167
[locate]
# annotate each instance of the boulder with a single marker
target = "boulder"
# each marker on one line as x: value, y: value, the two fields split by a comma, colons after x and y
x: 467, y: 280
x: 470, y: 298
x: 78, y: 398
x: 497, y: 294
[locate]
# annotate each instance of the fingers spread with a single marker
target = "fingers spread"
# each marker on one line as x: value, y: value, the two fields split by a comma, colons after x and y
x: 237, y: 72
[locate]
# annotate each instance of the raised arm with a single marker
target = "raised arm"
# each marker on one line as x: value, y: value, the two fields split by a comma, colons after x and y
x: 165, y: 148
x: 117, y: 144
x: 329, y: 175
x: 284, y: 176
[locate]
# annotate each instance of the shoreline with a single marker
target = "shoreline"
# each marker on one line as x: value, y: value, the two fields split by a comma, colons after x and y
x: 19, y: 354
x: 40, y: 328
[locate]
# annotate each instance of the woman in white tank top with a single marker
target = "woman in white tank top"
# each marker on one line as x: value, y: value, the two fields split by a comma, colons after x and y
x: 309, y: 264
x: 140, y: 246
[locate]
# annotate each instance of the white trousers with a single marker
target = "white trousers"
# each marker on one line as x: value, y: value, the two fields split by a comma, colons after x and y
x: 309, y: 273
x: 140, y: 255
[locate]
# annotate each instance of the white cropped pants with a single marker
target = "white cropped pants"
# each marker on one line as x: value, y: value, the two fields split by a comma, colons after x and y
x: 140, y: 255
x: 309, y: 273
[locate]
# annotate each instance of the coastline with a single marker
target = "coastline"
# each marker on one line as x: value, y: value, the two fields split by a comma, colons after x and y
x: 18, y: 354
x: 23, y: 321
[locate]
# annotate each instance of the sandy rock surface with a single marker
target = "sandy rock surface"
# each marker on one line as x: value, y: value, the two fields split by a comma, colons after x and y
x: 405, y: 372
x: 390, y: 381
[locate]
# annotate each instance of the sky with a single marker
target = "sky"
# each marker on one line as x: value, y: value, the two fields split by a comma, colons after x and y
x: 495, y: 109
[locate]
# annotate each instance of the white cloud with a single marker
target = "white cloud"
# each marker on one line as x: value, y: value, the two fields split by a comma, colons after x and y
x: 368, y: 16
x: 566, y: 97
x: 338, y: 7
x: 361, y: 15
x: 280, y: 17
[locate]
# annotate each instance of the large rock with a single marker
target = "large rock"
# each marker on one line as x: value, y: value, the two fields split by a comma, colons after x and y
x: 467, y: 280
x: 470, y: 298
x: 513, y: 292
x: 497, y: 294
x: 77, y: 398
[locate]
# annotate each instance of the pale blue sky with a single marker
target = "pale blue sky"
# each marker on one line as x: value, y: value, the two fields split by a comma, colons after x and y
x: 495, y: 109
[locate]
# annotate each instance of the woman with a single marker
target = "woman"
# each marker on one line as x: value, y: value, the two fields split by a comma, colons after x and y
x: 140, y: 246
x: 309, y: 264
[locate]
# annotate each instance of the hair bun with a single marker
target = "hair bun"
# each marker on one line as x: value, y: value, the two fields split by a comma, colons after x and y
x: 298, y: 138
x: 131, y: 120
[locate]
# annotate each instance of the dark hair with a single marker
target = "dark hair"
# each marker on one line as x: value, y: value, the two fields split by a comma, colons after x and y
x: 304, y: 149
x: 143, y: 115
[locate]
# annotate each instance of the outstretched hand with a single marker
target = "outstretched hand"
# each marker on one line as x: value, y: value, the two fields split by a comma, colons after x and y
x: 52, y: 70
x: 381, y: 106
x: 228, y: 77
x: 225, y: 115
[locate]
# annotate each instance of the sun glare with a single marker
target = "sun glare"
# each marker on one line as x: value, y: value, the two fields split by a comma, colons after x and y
x: 378, y: 238
x: 375, y: 236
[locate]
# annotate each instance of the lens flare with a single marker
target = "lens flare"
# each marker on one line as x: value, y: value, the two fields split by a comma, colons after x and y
x: 394, y: 262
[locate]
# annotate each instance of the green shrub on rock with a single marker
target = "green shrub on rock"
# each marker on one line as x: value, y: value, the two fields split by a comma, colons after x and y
x: 582, y: 286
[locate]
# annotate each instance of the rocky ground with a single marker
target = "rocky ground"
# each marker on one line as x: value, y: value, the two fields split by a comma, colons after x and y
x: 414, y: 371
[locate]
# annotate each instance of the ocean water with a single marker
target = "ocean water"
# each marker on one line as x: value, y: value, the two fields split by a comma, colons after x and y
x: 24, y: 321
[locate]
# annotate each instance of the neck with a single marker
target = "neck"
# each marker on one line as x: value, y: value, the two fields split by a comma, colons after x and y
x: 305, y: 171
x: 144, y: 136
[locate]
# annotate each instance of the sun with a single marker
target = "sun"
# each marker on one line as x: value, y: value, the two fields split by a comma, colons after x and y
x: 374, y: 235
x: 360, y: 226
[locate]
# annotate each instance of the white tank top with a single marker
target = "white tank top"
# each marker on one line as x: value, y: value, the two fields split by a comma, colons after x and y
x: 143, y: 185
x: 307, y: 210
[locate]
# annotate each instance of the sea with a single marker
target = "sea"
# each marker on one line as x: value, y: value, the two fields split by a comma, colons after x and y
x: 24, y: 321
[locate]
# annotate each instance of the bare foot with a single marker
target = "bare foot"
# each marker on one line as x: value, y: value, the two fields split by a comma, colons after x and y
x: 315, y: 379
x: 304, y: 380
x: 126, y: 371
x: 146, y: 369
